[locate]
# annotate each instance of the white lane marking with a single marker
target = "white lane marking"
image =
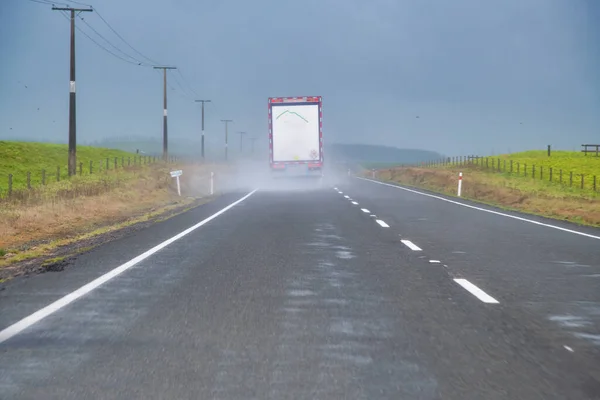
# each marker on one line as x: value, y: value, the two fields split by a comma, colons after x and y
x: 411, y: 245
x: 355, y: 203
x: 570, y: 349
x: 37, y: 316
x: 346, y: 196
x: 485, y: 210
x: 340, y: 192
x: 382, y: 223
x: 365, y: 210
x: 434, y: 261
x: 335, y: 188
x: 475, y: 291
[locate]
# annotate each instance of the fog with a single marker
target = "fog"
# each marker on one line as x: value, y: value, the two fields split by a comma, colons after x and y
x: 250, y: 175
x: 455, y: 77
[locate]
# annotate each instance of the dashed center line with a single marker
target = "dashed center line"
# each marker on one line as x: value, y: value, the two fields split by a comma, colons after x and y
x: 382, y: 223
x: 346, y: 196
x: 475, y: 291
x: 411, y: 245
x: 355, y: 203
x: 434, y: 261
x: 365, y: 210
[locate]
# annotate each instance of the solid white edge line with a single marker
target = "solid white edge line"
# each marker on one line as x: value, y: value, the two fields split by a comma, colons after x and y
x: 365, y: 210
x: 37, y: 316
x: 411, y: 245
x: 382, y: 223
x: 485, y: 210
x: 355, y: 203
x: 475, y: 291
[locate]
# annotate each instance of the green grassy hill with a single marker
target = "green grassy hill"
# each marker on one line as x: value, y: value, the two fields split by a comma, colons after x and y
x: 568, y: 161
x: 17, y: 158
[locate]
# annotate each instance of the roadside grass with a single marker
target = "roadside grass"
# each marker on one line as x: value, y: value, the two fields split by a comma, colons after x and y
x: 558, y: 174
x: 41, y: 219
x: 18, y: 158
x: 534, y: 197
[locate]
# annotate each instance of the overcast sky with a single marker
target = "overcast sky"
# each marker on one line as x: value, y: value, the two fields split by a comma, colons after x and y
x: 482, y: 76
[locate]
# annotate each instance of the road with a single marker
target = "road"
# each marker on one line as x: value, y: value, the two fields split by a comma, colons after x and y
x: 354, y: 290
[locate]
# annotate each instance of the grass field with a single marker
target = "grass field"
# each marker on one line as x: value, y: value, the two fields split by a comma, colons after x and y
x: 498, y: 186
x: 34, y: 221
x: 17, y: 158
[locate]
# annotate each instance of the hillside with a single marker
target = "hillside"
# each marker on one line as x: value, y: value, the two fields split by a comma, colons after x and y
x: 539, y: 194
x: 375, y: 154
x: 19, y: 157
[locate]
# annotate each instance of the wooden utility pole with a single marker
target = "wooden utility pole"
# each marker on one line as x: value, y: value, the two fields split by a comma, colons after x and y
x: 226, y: 134
x: 241, y: 140
x: 165, y: 130
x: 202, y: 101
x: 72, y: 98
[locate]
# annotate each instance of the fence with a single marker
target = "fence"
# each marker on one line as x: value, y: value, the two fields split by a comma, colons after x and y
x: 32, y: 179
x: 514, y: 168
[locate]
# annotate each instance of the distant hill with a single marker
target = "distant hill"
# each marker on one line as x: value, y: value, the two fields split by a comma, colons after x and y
x: 374, y: 154
x: 337, y: 152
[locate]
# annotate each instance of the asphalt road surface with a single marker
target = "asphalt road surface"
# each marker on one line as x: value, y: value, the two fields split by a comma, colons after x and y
x: 365, y: 291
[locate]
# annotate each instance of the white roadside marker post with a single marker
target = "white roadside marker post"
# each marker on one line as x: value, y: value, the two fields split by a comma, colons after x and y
x: 176, y: 175
x: 459, y: 184
x: 212, y: 183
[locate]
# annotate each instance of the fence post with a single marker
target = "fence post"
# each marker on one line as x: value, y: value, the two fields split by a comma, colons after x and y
x: 505, y: 166
x: 518, y: 168
x: 571, y: 179
x: 28, y: 180
x: 487, y: 163
x: 58, y: 174
x: 594, y: 183
x: 43, y: 177
x: 582, y: 181
x: 541, y: 173
x: 533, y: 172
x: 80, y: 168
x: 116, y: 162
x: 560, y: 176
x: 10, y: 184
x: 91, y: 167
x: 550, y: 174
x: 107, y: 163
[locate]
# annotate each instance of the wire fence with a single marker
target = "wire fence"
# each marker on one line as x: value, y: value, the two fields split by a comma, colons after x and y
x: 552, y: 175
x: 17, y: 183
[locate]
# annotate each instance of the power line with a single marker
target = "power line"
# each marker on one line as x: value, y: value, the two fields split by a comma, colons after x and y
x: 124, y: 41
x: 99, y: 45
x: 181, y: 86
x: 140, y: 62
x: 186, y: 81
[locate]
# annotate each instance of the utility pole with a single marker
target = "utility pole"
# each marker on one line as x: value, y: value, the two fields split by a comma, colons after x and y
x: 165, y: 134
x: 202, y: 101
x: 72, y: 108
x: 252, y: 139
x: 241, y: 140
x: 226, y: 122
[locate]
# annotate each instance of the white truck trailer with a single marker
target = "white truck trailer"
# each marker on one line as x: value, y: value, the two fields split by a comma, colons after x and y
x: 296, y: 135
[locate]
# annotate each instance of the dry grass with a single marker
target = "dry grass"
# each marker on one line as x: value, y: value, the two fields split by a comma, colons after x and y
x: 504, y: 191
x: 35, y: 221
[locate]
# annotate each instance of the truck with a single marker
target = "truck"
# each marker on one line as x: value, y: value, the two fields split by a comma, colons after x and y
x: 296, y: 136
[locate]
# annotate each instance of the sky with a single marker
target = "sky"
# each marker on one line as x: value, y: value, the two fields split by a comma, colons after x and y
x: 458, y: 77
